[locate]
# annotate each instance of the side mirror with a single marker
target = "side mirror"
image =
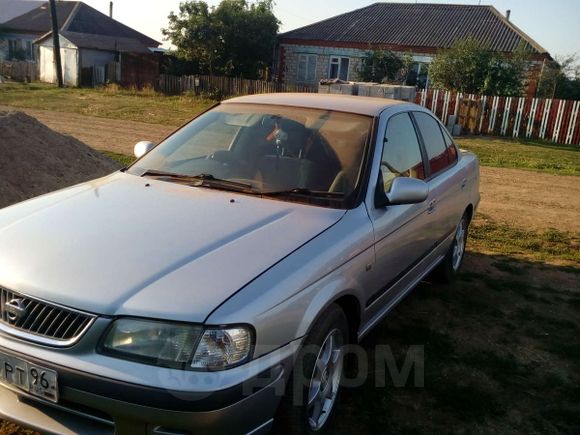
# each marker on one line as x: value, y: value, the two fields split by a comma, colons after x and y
x: 142, y: 148
x: 404, y: 190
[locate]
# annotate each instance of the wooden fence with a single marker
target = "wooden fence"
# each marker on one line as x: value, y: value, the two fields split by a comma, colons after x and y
x: 20, y: 71
x: 220, y: 87
x: 519, y: 117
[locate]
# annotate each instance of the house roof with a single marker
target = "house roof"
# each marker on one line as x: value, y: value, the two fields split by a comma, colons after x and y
x: 84, y: 26
x: 107, y: 43
x: 38, y: 20
x: 13, y: 8
x: 433, y: 26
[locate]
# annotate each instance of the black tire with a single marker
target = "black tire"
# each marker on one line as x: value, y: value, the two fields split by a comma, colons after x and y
x: 293, y: 414
x: 449, y: 268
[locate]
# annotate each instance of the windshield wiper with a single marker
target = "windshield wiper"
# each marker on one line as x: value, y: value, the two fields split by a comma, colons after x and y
x: 203, y: 180
x: 156, y: 173
x: 305, y: 192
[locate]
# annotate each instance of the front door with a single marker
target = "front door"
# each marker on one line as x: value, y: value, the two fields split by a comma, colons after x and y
x: 402, y: 232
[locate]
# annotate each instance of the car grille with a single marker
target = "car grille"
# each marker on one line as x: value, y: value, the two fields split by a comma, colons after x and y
x: 41, y: 321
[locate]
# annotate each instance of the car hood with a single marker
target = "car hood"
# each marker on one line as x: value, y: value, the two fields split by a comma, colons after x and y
x: 125, y: 245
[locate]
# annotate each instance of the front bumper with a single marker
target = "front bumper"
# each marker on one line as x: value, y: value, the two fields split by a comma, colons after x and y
x: 92, y: 404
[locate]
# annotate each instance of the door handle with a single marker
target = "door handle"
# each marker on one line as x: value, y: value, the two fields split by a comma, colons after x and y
x: 463, y: 183
x: 432, y: 207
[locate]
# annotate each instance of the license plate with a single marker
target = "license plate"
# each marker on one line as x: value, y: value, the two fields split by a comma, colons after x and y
x: 34, y: 379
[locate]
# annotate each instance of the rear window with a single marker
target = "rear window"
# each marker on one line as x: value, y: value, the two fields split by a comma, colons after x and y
x: 434, y: 142
x: 451, y: 148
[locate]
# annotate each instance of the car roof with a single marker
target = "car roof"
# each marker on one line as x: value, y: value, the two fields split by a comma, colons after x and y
x: 342, y: 103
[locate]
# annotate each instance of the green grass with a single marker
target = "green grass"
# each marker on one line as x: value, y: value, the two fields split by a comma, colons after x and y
x: 108, y: 102
x: 522, y: 154
x: 511, y: 241
x: 122, y: 159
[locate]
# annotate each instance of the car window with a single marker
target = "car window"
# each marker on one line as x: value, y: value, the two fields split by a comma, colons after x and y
x: 401, y: 152
x: 271, y: 149
x: 433, y: 140
x: 451, y: 148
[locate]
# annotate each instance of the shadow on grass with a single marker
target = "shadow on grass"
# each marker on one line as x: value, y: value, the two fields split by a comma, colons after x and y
x: 501, y: 349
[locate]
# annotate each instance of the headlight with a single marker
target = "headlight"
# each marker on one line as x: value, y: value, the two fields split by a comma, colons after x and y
x: 166, y: 344
x: 178, y: 345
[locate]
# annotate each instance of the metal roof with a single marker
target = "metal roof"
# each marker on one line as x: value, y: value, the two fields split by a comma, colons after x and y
x: 38, y: 20
x: 419, y: 25
x: 10, y: 9
x: 341, y: 103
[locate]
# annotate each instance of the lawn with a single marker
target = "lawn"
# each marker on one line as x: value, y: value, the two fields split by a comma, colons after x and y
x: 108, y: 102
x: 151, y: 107
x: 522, y: 154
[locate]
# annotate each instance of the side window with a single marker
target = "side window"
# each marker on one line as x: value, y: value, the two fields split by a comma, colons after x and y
x: 401, y: 152
x: 451, y: 148
x: 434, y: 142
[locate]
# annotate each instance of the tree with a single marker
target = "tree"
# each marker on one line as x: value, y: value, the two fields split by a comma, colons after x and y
x: 384, y: 66
x: 235, y: 38
x: 507, y: 74
x: 470, y: 67
x: 560, y: 78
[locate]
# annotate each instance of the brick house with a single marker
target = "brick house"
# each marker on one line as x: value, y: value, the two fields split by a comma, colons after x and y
x: 334, y: 48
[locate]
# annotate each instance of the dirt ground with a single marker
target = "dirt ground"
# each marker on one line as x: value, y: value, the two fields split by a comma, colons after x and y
x: 56, y: 160
x: 100, y: 133
x: 531, y: 199
x: 525, y: 198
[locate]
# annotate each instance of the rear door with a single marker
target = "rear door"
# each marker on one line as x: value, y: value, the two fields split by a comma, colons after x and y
x: 445, y: 179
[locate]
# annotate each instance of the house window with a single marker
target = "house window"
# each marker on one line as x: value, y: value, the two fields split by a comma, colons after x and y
x: 306, y: 68
x: 20, y: 50
x: 29, y: 51
x: 339, y: 68
x: 11, y: 49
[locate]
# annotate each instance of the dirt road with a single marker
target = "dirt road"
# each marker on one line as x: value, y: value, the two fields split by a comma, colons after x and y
x: 525, y: 198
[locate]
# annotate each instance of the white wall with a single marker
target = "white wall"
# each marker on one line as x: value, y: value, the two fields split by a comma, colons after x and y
x: 69, y: 62
x: 69, y: 57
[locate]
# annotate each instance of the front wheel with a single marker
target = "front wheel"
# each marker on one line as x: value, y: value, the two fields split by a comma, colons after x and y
x: 449, y: 267
x: 314, y: 387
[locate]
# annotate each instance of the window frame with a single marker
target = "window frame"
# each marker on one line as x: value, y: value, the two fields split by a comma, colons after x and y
x: 339, y: 60
x: 422, y: 151
x: 307, y: 57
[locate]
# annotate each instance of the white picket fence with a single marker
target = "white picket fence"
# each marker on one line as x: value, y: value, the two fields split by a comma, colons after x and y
x: 518, y: 117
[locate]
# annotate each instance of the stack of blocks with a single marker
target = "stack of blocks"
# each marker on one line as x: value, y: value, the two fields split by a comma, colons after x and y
x: 394, y: 92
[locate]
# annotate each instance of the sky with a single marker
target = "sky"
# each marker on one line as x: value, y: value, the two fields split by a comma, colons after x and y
x: 554, y: 24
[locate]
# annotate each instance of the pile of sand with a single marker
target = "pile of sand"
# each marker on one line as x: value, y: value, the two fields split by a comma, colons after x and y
x: 35, y: 159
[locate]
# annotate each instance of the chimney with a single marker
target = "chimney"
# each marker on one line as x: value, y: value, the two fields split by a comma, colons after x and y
x: 507, y: 13
x: 111, y: 9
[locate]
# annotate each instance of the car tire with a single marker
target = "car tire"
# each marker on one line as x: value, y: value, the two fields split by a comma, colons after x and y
x: 319, y: 367
x: 449, y: 268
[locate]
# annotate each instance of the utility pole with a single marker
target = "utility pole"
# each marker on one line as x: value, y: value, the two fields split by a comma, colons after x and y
x: 56, y: 44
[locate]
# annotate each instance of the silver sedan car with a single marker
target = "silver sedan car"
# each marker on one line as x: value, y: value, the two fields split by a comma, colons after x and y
x: 212, y: 286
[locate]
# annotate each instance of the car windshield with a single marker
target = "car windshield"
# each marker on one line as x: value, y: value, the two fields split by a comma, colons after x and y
x: 290, y: 153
